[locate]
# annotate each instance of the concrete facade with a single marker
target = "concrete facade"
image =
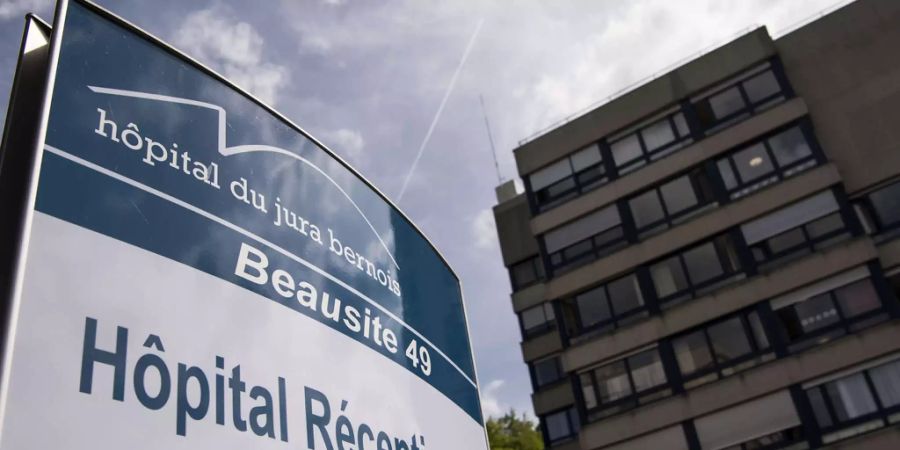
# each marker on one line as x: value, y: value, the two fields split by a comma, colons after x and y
x: 616, y: 322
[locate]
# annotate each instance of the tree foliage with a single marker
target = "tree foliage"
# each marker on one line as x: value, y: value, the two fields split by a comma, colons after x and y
x: 511, y: 432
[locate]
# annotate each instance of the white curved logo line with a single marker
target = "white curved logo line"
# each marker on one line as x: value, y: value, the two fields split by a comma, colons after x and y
x: 228, y: 151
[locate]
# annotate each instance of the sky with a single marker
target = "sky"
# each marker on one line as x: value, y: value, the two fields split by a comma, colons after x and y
x: 392, y: 84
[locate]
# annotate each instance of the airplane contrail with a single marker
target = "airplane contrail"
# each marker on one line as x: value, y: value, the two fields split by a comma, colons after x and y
x: 437, y: 115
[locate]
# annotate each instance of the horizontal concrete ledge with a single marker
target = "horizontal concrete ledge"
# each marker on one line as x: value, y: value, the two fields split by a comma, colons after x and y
x: 542, y: 345
x: 706, y: 225
x: 553, y: 398
x: 531, y: 296
x: 673, y: 164
x: 765, y: 379
x: 884, y: 439
x: 733, y: 298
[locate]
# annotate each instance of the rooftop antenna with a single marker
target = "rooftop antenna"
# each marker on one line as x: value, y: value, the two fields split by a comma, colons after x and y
x: 487, y: 125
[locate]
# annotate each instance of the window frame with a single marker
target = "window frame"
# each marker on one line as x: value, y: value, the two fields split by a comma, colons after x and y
x: 809, y: 245
x: 779, y: 173
x: 577, y: 177
x: 717, y: 370
x: 577, y: 332
x: 594, y: 251
x: 694, y: 290
x: 885, y: 416
x: 538, y: 266
x: 634, y: 398
x: 670, y: 220
x: 846, y: 326
x: 548, y: 325
x: 532, y: 369
x: 871, y: 220
x: 572, y: 420
x: 749, y: 108
x: 648, y: 156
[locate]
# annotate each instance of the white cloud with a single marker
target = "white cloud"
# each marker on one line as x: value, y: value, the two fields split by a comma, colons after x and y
x: 18, y: 8
x: 483, y: 230
x: 233, y: 47
x: 346, y: 142
x: 491, y: 406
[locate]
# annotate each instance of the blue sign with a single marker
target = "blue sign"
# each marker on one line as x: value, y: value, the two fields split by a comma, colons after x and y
x: 200, y: 268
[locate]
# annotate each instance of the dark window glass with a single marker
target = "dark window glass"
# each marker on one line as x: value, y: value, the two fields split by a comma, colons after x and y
x: 766, y: 162
x: 647, y: 371
x: 850, y: 397
x: 673, y: 201
x: 561, y: 425
x: 747, y: 96
x: 703, y: 263
x: 816, y: 312
x: 588, y: 390
x: 730, y: 340
x: 626, y: 150
x: 547, y: 371
x: 886, y: 203
x: 797, y: 229
x: 887, y: 383
x: 526, y: 273
x: 857, y: 403
x: 753, y: 162
x: 726, y: 103
x: 693, y: 353
x: 696, y: 270
x: 762, y: 87
x: 584, y: 239
x: 649, y: 142
x: 721, y: 349
x: 538, y: 319
x: 789, y: 146
x: 603, y: 307
x: 646, y: 209
x: 623, y: 384
x: 857, y: 298
x: 668, y: 277
x: 825, y: 316
x: 820, y: 408
x: 679, y: 195
x: 593, y: 307
x: 568, y: 177
x: 612, y: 382
x: 625, y: 295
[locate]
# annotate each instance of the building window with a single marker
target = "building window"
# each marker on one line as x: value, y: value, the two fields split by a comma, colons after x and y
x: 649, y: 141
x: 546, y: 371
x: 603, y: 308
x: 857, y: 403
x: 721, y: 349
x: 671, y: 203
x: 537, y: 320
x: 829, y: 309
x: 748, y: 94
x: 880, y: 211
x: 624, y: 384
x: 769, y: 423
x: 803, y: 227
x: 584, y: 240
x: 696, y: 271
x: 560, y: 426
x: 568, y: 178
x: 766, y: 162
x: 526, y: 273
